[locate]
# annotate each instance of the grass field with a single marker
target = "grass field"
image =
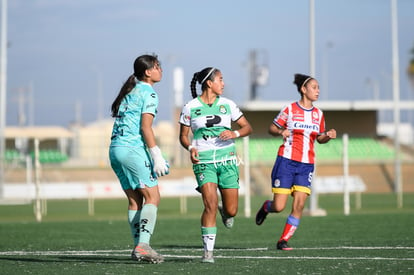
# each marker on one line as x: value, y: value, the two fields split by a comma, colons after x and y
x: 376, y: 239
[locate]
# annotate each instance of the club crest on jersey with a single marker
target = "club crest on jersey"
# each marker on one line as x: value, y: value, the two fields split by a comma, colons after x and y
x: 222, y: 109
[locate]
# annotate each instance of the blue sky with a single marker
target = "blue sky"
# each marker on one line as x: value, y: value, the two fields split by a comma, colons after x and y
x: 78, y: 53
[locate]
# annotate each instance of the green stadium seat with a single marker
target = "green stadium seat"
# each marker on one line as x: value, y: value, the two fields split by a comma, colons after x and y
x: 263, y: 150
x: 51, y: 156
x: 11, y: 155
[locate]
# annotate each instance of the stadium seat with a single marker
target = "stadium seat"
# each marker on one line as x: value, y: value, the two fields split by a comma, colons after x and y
x: 263, y: 150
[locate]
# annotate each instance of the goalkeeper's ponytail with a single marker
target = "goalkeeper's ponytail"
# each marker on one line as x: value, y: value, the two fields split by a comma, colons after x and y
x: 126, y: 88
x: 141, y: 64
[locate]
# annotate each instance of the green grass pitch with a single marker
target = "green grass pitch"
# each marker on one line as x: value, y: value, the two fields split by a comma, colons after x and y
x: 376, y: 239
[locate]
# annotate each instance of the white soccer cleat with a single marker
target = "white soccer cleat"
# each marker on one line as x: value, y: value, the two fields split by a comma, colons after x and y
x: 133, y: 256
x: 227, y: 221
x: 144, y: 252
x: 208, y: 257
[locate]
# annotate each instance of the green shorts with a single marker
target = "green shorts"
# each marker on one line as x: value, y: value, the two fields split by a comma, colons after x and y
x: 224, y: 174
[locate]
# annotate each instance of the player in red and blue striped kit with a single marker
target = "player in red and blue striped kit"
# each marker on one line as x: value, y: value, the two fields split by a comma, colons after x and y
x: 300, y: 124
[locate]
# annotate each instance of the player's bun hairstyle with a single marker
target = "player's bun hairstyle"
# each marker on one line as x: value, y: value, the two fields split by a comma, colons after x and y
x: 201, y: 77
x: 141, y: 64
x: 300, y: 80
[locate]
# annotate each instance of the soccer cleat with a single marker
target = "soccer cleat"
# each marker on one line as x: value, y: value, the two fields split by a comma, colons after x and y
x: 261, y: 214
x: 144, y: 252
x: 282, y: 245
x: 208, y: 257
x: 227, y: 221
x: 133, y: 256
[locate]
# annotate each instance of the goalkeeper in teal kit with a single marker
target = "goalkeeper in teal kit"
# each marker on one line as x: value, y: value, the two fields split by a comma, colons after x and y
x: 135, y: 157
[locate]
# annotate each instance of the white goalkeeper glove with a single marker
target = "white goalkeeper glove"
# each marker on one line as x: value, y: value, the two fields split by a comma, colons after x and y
x: 161, y: 167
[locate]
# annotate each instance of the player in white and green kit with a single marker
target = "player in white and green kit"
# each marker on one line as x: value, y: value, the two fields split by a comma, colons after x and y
x: 213, y: 153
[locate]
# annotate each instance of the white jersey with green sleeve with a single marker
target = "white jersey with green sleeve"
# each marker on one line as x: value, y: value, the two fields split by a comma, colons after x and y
x: 207, y: 122
x: 126, y: 130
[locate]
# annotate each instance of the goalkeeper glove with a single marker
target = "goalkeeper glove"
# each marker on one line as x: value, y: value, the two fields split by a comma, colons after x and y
x: 161, y: 167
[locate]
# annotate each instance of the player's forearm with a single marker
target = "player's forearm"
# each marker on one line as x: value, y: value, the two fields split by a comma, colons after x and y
x: 185, y: 141
x: 149, y: 137
x: 245, y: 130
x: 275, y: 130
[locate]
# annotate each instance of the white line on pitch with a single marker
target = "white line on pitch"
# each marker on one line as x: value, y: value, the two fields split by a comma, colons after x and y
x: 358, y: 248
x: 294, y: 258
x: 118, y: 253
x: 126, y: 252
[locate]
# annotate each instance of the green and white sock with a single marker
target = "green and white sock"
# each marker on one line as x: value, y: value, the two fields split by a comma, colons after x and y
x: 147, y: 222
x: 133, y: 220
x: 208, y: 235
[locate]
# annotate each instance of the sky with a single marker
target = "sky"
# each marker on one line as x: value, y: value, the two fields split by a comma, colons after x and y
x: 67, y: 59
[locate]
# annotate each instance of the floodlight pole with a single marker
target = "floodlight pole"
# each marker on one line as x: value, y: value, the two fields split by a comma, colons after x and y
x: 396, y: 95
x: 313, y: 197
x: 3, y: 79
x: 178, y: 86
x: 347, y: 208
x: 247, y: 183
x: 253, y: 74
x: 37, y: 206
x: 312, y: 38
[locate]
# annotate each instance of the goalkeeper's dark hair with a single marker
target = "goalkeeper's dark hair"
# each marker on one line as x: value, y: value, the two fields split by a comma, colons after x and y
x: 301, y: 80
x: 141, y: 64
x: 201, y: 77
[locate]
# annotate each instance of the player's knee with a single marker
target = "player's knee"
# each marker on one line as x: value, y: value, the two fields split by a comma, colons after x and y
x: 279, y: 208
x: 210, y: 208
x: 298, y: 207
x: 232, y: 212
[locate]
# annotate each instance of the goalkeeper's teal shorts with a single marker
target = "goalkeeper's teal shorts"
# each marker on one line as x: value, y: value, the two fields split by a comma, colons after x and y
x: 132, y: 166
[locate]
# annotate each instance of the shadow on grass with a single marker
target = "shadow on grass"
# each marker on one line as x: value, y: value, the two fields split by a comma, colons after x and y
x: 43, y: 259
x: 181, y: 247
x: 89, y: 259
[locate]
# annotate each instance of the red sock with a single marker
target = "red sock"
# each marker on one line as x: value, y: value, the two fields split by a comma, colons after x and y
x: 288, y: 232
x: 291, y: 224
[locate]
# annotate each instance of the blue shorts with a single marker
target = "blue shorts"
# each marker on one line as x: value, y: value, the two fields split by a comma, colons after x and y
x: 132, y: 166
x: 289, y: 176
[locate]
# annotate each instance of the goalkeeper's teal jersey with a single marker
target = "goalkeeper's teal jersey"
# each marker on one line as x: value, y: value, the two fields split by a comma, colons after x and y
x: 207, y: 122
x: 126, y: 130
